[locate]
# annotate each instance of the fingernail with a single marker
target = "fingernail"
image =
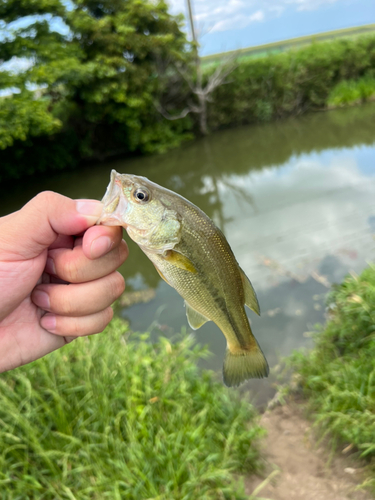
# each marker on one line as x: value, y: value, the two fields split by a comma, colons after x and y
x: 50, y: 266
x: 100, y: 246
x: 41, y: 299
x: 89, y: 207
x: 48, y: 322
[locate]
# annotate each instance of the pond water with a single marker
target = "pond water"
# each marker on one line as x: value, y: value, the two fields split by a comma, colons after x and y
x: 296, y: 200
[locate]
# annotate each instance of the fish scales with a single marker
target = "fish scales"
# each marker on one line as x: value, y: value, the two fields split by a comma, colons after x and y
x: 221, y: 267
x: 193, y: 256
x: 189, y: 286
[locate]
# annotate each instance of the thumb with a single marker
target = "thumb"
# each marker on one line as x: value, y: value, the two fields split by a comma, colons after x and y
x: 26, y: 233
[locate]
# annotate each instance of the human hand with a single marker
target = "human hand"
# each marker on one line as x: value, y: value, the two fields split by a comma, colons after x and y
x: 55, y: 286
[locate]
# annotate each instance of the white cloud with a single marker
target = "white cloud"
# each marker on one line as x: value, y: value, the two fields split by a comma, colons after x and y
x: 224, y: 15
x: 220, y: 15
x: 305, y: 210
x: 237, y: 22
x: 309, y: 4
x: 276, y: 9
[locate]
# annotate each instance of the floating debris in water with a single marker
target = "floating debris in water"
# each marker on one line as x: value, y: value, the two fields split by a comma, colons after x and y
x: 128, y: 299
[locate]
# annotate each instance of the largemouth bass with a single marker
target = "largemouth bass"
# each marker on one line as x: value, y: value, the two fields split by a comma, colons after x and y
x: 193, y: 256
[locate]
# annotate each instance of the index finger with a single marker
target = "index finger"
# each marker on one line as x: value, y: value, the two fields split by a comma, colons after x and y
x: 99, y: 240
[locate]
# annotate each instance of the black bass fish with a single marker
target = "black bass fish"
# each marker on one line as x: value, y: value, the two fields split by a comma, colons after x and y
x: 193, y: 256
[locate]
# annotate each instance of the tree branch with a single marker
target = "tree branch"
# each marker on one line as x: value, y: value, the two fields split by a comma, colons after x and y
x: 168, y: 116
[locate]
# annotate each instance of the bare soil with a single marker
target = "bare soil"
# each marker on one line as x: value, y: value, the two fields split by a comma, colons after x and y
x: 301, y: 468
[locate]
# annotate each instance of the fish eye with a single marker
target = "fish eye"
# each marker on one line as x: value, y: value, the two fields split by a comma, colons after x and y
x: 141, y: 194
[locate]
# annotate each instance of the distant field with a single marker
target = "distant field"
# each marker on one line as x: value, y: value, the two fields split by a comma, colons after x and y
x: 275, y: 47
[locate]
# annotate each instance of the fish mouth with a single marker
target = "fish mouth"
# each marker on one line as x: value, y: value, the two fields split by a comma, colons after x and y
x: 114, y: 203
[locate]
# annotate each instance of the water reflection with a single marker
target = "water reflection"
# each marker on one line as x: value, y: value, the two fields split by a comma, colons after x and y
x: 295, y: 200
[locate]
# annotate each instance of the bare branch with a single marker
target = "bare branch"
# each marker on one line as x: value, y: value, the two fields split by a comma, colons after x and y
x: 191, y: 108
x: 168, y: 116
x: 219, y: 75
x: 193, y: 75
x: 186, y: 78
x: 195, y: 109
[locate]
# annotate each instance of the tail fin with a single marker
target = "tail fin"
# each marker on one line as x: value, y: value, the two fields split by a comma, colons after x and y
x: 243, y: 365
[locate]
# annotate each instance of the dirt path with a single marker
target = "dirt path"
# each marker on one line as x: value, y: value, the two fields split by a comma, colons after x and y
x: 305, y: 471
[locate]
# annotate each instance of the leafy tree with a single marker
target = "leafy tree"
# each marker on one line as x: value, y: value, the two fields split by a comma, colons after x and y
x: 93, y: 71
x: 22, y: 116
x: 121, y: 40
x: 21, y: 113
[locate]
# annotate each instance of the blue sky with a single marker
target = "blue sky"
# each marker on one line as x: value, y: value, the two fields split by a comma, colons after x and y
x: 234, y: 24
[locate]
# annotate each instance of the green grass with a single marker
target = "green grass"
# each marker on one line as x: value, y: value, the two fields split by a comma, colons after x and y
x: 109, y: 418
x: 283, y: 45
x: 338, y: 375
x: 352, y: 92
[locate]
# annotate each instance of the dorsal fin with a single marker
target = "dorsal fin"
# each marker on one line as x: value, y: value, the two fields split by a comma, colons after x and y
x: 250, y: 296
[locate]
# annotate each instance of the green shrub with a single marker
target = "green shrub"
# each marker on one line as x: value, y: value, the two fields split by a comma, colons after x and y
x: 352, y: 92
x: 338, y: 375
x: 291, y: 82
x: 107, y: 418
x: 367, y: 87
x: 346, y: 92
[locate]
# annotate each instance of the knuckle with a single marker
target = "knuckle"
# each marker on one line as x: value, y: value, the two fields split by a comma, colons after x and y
x: 70, y: 270
x: 44, y: 197
x: 102, y: 321
x: 123, y: 251
x: 108, y: 315
x: 67, y: 306
x: 59, y: 300
x: 78, y: 327
x: 75, y: 329
x: 40, y: 203
x: 118, y: 285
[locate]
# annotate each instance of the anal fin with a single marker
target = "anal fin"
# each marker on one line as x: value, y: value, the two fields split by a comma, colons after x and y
x: 250, y: 296
x: 195, y: 319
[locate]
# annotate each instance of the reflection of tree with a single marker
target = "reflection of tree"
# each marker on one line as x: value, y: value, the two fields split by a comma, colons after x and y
x: 218, y: 178
x: 241, y: 150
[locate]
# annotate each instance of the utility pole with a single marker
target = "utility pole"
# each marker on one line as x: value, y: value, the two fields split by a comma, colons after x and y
x: 194, y: 80
x: 192, y: 29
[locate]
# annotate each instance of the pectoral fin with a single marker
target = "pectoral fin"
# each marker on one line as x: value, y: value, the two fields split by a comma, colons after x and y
x: 179, y: 260
x: 161, y: 275
x: 195, y: 319
x: 250, y: 296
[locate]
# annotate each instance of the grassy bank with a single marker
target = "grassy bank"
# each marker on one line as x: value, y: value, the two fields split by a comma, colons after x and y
x: 292, y: 43
x: 338, y: 375
x: 290, y: 83
x: 106, y: 418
